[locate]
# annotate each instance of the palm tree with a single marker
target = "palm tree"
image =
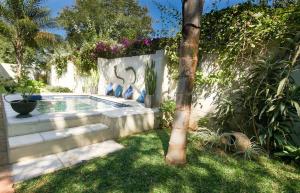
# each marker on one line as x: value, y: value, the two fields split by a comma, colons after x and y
x: 20, y: 24
x: 189, y: 48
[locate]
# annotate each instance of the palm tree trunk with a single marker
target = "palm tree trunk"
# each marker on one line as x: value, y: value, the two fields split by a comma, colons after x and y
x: 189, y: 48
x: 19, y: 57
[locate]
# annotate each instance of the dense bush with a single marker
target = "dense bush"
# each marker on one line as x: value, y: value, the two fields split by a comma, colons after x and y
x: 85, y: 59
x: 126, y: 48
x: 58, y: 89
x: 257, y: 92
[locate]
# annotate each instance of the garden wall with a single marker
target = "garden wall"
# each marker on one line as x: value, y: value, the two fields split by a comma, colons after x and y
x: 67, y: 79
x: 113, y: 70
x: 6, y: 71
x: 166, y: 87
x: 70, y: 79
x: 106, y: 69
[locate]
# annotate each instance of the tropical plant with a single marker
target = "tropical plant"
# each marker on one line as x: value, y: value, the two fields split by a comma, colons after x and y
x: 167, y: 114
x: 268, y: 97
x: 273, y: 100
x: 28, y: 87
x: 291, y: 152
x: 20, y: 24
x: 150, y: 78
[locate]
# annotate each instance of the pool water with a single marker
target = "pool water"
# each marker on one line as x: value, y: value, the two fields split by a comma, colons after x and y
x: 52, y: 104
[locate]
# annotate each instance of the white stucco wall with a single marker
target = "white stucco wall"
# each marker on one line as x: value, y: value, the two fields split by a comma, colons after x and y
x: 6, y: 71
x: 107, y: 74
x: 66, y: 80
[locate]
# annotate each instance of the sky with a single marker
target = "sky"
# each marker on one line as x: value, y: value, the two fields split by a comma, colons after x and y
x: 57, y: 5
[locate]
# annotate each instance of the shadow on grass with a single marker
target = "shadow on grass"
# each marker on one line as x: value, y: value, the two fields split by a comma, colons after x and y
x: 140, y: 167
x: 164, y: 137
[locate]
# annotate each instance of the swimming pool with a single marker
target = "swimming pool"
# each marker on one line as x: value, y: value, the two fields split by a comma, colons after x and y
x: 61, y: 111
x: 53, y: 104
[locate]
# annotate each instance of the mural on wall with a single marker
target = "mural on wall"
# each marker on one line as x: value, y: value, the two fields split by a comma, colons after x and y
x: 116, y: 74
x: 126, y: 69
x: 132, y: 69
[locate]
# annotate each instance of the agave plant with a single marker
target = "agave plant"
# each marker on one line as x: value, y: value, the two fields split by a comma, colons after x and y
x: 20, y: 24
x: 150, y: 78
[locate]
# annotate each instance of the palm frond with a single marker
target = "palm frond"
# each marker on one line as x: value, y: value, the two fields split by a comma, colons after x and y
x: 5, y: 14
x: 39, y: 14
x: 6, y: 30
x: 16, y: 7
x: 45, y: 39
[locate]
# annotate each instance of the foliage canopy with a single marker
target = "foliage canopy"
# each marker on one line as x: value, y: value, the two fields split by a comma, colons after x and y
x: 21, y: 22
x: 89, y: 19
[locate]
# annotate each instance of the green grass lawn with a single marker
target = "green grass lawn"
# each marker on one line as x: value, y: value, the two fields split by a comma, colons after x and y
x: 140, y: 167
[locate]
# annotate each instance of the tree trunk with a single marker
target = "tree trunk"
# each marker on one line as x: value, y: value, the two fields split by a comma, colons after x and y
x: 189, y: 48
x: 18, y: 47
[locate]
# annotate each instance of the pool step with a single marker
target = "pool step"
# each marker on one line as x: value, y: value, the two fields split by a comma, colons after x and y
x: 32, y: 168
x: 26, y: 147
x: 43, y: 123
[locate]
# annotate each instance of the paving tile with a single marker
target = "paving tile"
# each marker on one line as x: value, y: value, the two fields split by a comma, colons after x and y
x: 59, y: 134
x: 6, y: 183
x: 85, y: 129
x: 53, y: 135
x: 24, y: 140
x: 78, y: 155
x: 33, y: 168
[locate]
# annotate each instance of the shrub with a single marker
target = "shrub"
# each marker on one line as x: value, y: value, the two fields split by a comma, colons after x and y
x: 85, y: 59
x: 58, y: 89
x: 269, y: 97
x: 61, y: 63
x: 126, y: 48
x: 167, y: 110
x: 291, y: 153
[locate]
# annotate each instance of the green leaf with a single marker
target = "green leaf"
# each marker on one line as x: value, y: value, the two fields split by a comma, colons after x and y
x: 281, y: 86
x: 297, y: 107
x: 272, y: 108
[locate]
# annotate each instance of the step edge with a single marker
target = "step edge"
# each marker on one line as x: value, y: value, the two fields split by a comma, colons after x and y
x: 104, y: 127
